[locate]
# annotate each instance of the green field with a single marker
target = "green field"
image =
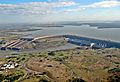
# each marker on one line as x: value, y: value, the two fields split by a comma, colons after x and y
x: 73, y: 65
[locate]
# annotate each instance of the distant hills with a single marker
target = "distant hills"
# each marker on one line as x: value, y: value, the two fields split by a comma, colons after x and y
x: 98, y: 24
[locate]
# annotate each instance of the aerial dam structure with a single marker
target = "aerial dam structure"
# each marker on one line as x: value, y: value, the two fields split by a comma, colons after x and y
x: 19, y: 44
x: 94, y: 43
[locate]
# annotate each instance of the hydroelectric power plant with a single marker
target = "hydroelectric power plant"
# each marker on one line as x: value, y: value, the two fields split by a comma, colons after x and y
x: 94, y: 43
x: 22, y: 43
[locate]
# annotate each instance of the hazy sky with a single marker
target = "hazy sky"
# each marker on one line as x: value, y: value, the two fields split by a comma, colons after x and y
x: 58, y: 10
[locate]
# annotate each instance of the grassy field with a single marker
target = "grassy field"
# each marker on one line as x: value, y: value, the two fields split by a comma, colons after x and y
x: 72, y: 65
x: 90, y: 65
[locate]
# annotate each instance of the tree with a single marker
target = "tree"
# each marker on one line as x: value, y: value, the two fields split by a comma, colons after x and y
x: 114, y: 75
x: 1, y: 77
x: 114, y: 78
x: 43, y: 80
x: 52, y: 53
x: 76, y: 80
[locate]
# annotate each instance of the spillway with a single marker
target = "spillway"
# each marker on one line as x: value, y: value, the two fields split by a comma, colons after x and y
x: 85, y: 41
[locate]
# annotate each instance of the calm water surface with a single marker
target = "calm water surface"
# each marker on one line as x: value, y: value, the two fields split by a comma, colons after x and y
x: 84, y: 30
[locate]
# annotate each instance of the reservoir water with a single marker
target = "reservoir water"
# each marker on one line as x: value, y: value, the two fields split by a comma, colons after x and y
x: 112, y: 34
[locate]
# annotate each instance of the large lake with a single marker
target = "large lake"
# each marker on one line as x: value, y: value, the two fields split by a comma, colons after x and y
x: 84, y: 30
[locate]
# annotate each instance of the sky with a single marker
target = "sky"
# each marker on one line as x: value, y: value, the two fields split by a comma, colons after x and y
x: 12, y: 11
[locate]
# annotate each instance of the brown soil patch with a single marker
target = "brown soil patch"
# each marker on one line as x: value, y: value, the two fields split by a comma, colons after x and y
x: 53, y: 69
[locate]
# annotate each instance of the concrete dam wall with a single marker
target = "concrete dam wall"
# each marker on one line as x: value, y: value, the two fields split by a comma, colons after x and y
x: 95, y: 43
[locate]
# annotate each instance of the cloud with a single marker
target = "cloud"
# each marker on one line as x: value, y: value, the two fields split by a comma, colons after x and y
x: 50, y: 6
x: 74, y: 10
x: 33, y: 7
x: 104, y: 4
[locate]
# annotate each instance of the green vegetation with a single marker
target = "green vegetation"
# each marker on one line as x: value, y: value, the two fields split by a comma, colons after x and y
x: 11, y: 77
x: 114, y: 70
x: 114, y: 75
x: 43, y: 80
x: 76, y: 80
x: 52, y: 53
x: 114, y: 78
x: 64, y: 66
